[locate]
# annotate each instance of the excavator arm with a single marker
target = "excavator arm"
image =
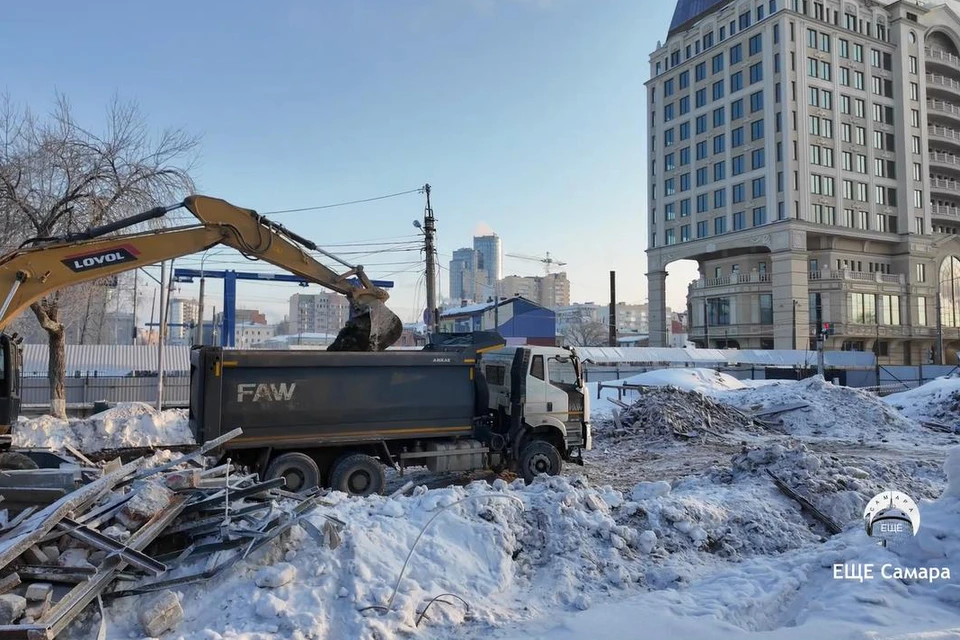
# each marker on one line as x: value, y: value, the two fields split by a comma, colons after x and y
x: 45, y: 265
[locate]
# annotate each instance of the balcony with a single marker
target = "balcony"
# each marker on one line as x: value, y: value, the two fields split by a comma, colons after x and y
x: 938, y: 56
x: 939, y: 82
x: 940, y: 185
x: 859, y: 276
x: 945, y: 212
x: 944, y: 133
x: 941, y: 107
x: 731, y: 331
x: 731, y: 280
x: 945, y: 160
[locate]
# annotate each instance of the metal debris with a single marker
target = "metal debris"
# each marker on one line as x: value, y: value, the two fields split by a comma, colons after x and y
x: 673, y: 413
x: 133, y: 530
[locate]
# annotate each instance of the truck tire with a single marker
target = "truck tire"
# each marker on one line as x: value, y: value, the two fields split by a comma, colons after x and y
x: 539, y: 456
x: 358, y: 474
x: 12, y: 461
x: 298, y: 469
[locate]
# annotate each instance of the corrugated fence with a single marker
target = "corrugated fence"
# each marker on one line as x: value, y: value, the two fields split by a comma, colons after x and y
x: 87, y: 390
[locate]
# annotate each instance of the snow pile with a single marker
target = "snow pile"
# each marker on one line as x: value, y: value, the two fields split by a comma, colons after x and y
x: 696, y: 379
x: 134, y: 424
x: 937, y: 400
x: 833, y: 411
x: 668, y: 412
x: 840, y: 489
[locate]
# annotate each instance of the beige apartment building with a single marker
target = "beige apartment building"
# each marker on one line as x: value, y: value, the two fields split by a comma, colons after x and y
x: 806, y: 154
x: 551, y: 291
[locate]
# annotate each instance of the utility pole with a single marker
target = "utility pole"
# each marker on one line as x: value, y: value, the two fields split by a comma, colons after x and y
x: 612, y: 320
x: 429, y: 231
x: 136, y: 275
x: 163, y: 320
x: 199, y: 338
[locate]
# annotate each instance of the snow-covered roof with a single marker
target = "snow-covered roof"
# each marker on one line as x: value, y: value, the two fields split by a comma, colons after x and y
x: 758, y: 357
x: 107, y: 359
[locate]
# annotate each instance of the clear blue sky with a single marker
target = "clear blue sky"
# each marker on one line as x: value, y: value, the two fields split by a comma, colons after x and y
x: 524, y: 115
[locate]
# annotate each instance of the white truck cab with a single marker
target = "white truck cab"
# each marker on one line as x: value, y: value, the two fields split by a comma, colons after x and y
x: 540, y: 402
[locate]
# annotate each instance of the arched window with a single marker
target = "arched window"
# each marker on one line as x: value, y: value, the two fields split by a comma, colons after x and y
x: 949, y: 285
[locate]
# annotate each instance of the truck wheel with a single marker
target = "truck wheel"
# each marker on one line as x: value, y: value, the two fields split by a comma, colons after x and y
x: 298, y: 469
x: 539, y: 457
x: 16, y: 461
x: 358, y: 475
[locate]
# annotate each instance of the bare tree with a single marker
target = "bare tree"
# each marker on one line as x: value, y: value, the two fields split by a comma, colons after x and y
x: 58, y: 177
x: 583, y: 332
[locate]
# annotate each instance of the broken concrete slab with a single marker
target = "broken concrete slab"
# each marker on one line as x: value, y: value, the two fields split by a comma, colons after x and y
x: 161, y: 613
x: 149, y: 500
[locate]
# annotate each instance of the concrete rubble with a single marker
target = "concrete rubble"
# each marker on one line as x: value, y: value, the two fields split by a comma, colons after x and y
x: 670, y: 413
x: 131, y: 530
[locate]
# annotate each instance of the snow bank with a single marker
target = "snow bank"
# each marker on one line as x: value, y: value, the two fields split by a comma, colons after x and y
x: 834, y: 411
x: 937, y: 400
x: 702, y: 380
x: 134, y: 424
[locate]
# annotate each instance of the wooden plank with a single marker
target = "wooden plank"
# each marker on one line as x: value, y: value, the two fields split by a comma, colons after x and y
x: 831, y: 526
x: 780, y: 408
x: 35, y: 528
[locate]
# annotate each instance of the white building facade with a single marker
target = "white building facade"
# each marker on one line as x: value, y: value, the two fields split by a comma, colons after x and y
x: 806, y: 154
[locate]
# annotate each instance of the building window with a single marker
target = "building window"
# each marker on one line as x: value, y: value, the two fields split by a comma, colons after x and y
x: 736, y: 54
x: 756, y: 130
x: 719, y: 225
x: 890, y: 310
x: 685, y: 233
x: 756, y: 159
x: 766, y: 308
x: 759, y: 216
x: 756, y: 101
x: 739, y: 219
x: 863, y: 308
x: 756, y: 44
x: 739, y: 192
x: 759, y: 187
x: 703, y: 229
x: 719, y: 117
x: 718, y: 311
x: 921, y: 311
x: 719, y: 198
x: 717, y: 63
x: 921, y: 272
x: 756, y: 72
x: 700, y: 71
x: 670, y: 236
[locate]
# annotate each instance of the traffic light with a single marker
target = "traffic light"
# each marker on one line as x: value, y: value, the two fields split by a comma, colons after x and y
x: 826, y: 329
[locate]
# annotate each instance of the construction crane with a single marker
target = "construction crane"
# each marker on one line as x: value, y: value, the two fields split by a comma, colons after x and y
x: 547, y: 260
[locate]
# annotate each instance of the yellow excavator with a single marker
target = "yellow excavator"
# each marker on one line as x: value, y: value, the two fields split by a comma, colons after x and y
x: 43, y: 265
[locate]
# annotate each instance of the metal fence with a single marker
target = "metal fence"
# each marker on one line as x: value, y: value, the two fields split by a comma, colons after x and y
x: 84, y: 391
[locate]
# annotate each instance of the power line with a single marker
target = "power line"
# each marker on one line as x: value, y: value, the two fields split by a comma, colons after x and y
x: 343, y: 204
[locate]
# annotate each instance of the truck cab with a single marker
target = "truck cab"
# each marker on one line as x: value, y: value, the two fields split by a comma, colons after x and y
x: 537, y: 395
x: 10, y: 358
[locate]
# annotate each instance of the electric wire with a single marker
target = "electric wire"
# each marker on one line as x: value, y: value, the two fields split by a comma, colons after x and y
x: 342, y: 204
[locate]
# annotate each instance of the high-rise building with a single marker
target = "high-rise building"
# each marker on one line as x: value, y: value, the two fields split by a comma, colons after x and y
x: 467, y: 278
x: 807, y: 155
x: 184, y: 314
x: 491, y: 252
x: 326, y: 312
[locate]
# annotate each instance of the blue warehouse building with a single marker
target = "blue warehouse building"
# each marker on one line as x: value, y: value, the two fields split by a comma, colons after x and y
x: 518, y: 320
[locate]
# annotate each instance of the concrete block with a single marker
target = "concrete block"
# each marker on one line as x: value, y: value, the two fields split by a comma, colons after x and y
x: 75, y: 558
x: 51, y: 551
x: 161, y: 613
x: 39, y: 591
x: 150, y: 499
x: 33, y: 555
x: 276, y: 576
x: 12, y: 608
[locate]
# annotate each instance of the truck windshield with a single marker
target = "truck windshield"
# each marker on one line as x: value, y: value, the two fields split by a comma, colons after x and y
x: 562, y: 372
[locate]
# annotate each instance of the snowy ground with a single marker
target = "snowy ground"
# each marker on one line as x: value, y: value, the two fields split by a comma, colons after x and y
x: 685, y: 539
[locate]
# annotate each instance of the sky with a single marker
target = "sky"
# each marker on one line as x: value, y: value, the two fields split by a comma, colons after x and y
x: 526, y: 117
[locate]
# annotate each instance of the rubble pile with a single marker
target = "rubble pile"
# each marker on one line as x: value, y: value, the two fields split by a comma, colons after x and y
x: 131, y: 529
x: 840, y: 488
x: 673, y: 413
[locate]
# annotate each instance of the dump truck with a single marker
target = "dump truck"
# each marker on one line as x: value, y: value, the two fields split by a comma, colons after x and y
x: 334, y: 419
x: 40, y: 266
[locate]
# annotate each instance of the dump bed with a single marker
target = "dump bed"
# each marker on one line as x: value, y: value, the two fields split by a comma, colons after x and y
x: 290, y: 399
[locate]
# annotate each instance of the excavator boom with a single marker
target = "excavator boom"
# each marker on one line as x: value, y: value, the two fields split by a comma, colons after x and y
x: 46, y: 265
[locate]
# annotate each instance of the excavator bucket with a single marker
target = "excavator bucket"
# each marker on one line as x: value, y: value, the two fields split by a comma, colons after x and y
x: 371, y: 327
